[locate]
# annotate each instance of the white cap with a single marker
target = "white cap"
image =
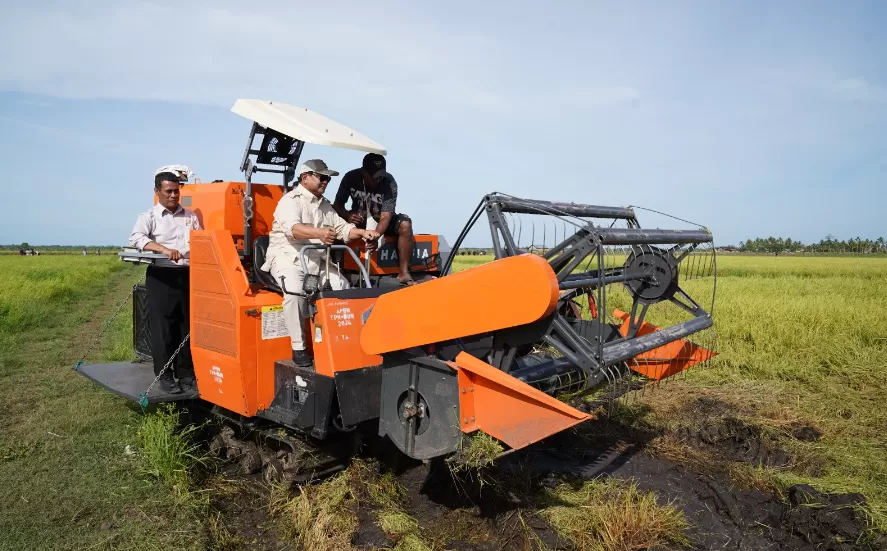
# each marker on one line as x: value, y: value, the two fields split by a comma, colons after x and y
x: 182, y: 172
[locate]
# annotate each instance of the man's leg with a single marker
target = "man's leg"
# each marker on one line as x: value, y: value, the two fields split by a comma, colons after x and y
x: 403, y: 228
x: 184, y: 362
x: 160, y: 304
x: 295, y: 309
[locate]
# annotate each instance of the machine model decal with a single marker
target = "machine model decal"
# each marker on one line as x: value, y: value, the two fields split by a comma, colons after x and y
x: 342, y: 317
x: 387, y: 256
x: 273, y: 323
x: 217, y: 374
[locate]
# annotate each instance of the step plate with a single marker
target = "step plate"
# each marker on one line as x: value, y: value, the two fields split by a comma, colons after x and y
x: 130, y: 379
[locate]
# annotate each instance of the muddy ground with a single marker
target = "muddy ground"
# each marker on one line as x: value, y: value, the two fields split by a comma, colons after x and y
x: 496, y: 510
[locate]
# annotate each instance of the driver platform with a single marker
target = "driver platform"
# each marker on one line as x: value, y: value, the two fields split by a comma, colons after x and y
x: 131, y: 379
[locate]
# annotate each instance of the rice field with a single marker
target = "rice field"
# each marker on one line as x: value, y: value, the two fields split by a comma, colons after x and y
x: 799, y: 340
x: 34, y: 289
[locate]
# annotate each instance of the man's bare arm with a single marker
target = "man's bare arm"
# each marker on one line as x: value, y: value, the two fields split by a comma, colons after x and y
x: 156, y: 247
x: 367, y: 235
x: 341, y: 210
x: 384, y: 221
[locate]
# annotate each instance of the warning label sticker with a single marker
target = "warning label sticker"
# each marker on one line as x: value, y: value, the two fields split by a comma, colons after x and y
x: 273, y: 324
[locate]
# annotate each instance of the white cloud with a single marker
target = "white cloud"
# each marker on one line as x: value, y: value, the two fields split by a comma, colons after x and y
x: 212, y: 53
x: 857, y: 90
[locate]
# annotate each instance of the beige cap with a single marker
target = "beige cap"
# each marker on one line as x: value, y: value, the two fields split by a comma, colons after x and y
x: 316, y: 166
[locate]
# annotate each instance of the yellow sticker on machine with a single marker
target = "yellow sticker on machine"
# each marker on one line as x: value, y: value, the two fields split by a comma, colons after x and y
x: 273, y: 323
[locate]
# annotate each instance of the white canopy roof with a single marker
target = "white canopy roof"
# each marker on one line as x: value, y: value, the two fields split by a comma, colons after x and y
x: 305, y: 125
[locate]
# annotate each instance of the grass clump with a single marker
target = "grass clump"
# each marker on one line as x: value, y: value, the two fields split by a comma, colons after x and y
x: 389, y: 499
x: 219, y: 537
x: 396, y: 522
x: 608, y: 515
x: 323, y: 516
x: 169, y: 450
x: 320, y: 517
x: 412, y: 542
x: 476, y: 451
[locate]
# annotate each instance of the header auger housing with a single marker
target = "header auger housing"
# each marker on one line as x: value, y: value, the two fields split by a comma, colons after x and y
x: 606, y: 308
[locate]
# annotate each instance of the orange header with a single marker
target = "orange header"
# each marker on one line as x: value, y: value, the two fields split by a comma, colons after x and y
x: 504, y: 293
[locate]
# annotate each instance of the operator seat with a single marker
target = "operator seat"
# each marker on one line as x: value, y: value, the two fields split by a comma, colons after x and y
x: 260, y: 249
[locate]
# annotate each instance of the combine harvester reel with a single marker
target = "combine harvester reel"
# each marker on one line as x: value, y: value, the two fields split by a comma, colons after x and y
x: 606, y: 308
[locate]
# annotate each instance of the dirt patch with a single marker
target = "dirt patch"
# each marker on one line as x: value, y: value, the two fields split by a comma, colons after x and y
x: 241, y: 520
x: 498, y: 508
x: 471, y: 511
x: 737, y: 440
x: 833, y: 521
x: 806, y: 433
x: 721, y: 515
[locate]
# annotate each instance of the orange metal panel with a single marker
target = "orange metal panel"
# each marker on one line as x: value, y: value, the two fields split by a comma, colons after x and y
x: 335, y: 333
x: 506, y: 408
x: 504, y: 293
x: 214, y: 344
x: 233, y: 363
x: 666, y: 360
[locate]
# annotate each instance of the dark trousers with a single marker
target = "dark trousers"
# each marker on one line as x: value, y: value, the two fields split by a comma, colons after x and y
x: 168, y: 302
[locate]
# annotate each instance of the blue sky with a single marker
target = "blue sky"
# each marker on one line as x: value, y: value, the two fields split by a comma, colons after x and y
x: 753, y: 118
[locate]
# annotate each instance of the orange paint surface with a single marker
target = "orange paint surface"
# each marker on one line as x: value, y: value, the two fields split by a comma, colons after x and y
x: 506, y: 408
x: 337, y: 325
x: 233, y: 364
x: 219, y: 206
x: 504, y: 293
x: 666, y: 360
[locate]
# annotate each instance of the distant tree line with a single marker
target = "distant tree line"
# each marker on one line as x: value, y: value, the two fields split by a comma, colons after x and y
x: 77, y: 248
x: 829, y: 245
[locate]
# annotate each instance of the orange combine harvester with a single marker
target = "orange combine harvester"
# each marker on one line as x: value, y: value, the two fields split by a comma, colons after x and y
x: 493, y: 348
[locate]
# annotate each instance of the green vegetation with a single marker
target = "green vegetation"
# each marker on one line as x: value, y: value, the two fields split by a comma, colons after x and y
x: 169, y: 449
x: 70, y: 467
x: 603, y: 515
x: 829, y: 245
x: 801, y: 343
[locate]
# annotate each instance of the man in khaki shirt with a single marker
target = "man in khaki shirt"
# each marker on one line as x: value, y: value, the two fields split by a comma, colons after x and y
x: 304, y: 217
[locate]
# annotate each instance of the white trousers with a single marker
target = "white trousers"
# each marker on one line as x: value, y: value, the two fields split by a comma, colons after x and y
x: 295, y: 308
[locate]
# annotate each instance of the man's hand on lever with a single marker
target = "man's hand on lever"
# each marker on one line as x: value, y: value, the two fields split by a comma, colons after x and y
x: 370, y: 237
x: 173, y: 254
x: 326, y: 235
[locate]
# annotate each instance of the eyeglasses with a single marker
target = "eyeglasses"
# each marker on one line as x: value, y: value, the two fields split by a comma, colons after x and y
x: 322, y: 177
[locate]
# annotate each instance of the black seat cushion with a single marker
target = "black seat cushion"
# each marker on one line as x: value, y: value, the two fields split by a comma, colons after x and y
x: 260, y: 249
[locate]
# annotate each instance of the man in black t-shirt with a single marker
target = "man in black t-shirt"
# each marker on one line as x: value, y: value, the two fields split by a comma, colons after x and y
x: 373, y: 192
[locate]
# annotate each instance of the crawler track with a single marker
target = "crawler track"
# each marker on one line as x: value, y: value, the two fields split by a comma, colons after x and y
x: 250, y: 447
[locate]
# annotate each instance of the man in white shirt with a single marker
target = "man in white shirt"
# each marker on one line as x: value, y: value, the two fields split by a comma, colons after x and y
x: 304, y: 217
x: 166, y: 229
